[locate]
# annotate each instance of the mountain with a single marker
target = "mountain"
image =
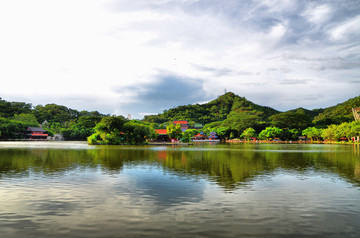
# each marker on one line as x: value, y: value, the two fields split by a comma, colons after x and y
x: 216, y: 110
x: 229, y: 103
x: 342, y: 112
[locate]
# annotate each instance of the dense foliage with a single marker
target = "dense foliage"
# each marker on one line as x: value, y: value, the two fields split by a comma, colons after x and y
x: 230, y: 116
x: 56, y: 119
x: 216, y: 110
x: 337, y: 114
x: 116, y: 130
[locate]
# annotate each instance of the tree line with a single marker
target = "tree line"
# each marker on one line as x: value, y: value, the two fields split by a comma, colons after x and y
x: 230, y: 116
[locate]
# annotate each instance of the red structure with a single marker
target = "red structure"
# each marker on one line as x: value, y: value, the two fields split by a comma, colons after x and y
x: 162, y: 135
x: 199, y: 137
x: 183, y: 124
x: 161, y: 131
x: 36, y: 133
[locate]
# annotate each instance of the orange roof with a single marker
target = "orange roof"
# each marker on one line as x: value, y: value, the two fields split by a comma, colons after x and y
x: 161, y: 131
x: 180, y: 122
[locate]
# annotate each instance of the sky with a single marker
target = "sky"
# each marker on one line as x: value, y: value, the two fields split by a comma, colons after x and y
x: 141, y: 57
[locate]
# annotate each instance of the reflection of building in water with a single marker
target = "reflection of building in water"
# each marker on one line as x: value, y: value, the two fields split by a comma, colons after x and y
x: 356, y: 149
x: 357, y: 172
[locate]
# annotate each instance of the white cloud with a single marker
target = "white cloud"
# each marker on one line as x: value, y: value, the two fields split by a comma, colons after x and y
x: 73, y: 52
x: 317, y: 14
x: 345, y: 30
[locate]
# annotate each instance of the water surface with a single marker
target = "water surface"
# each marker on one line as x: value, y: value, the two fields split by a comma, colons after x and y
x: 52, y: 189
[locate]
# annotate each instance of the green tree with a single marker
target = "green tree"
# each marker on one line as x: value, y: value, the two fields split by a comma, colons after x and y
x: 136, y: 133
x: 270, y: 133
x: 248, y: 134
x: 26, y: 118
x: 313, y: 133
x: 116, y: 130
x: 80, y: 129
x: 174, y: 131
x: 12, y: 129
x: 239, y: 120
x: 355, y: 129
x: 330, y: 133
x: 296, y: 120
x: 188, y: 134
x: 290, y: 134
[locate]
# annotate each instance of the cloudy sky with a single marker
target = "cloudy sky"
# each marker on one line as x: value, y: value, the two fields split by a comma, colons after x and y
x: 144, y: 56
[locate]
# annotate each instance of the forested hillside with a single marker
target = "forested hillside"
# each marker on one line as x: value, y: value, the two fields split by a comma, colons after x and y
x: 337, y: 114
x: 230, y: 116
x: 15, y: 117
x: 216, y: 110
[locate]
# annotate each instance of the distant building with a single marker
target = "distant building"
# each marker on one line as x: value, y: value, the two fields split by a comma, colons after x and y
x: 198, y: 126
x: 44, y: 123
x: 56, y: 137
x: 162, y: 135
x: 199, y: 136
x: 183, y: 124
x: 213, y: 136
x: 36, y: 133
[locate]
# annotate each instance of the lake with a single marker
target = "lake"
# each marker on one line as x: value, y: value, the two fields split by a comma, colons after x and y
x: 70, y: 189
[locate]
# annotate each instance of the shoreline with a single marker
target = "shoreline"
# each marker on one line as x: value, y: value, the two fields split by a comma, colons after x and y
x: 293, y: 142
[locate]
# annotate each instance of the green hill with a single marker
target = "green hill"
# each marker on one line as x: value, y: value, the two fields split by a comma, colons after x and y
x: 216, y: 110
x: 231, y: 110
x: 342, y: 112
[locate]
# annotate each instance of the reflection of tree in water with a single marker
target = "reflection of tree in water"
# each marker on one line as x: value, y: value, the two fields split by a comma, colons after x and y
x: 47, y: 161
x: 230, y: 168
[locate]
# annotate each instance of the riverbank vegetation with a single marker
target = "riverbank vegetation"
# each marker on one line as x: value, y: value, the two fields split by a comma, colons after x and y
x: 230, y: 116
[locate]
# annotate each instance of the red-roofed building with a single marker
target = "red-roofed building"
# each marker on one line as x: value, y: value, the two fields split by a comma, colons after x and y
x: 162, y: 135
x: 36, y: 133
x: 161, y: 131
x: 199, y: 137
x: 183, y: 124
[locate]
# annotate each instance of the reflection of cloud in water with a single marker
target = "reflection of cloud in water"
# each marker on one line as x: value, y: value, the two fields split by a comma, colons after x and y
x: 54, y: 208
x: 164, y: 188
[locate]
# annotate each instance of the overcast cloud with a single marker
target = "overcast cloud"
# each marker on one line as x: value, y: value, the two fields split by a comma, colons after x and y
x: 143, y: 56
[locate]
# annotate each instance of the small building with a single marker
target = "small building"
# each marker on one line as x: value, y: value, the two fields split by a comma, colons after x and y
x: 213, y: 136
x: 199, y: 136
x: 36, y: 133
x: 162, y: 135
x: 57, y: 137
x: 198, y: 126
x: 183, y: 124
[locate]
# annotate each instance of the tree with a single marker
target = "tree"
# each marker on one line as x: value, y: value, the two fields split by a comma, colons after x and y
x: 81, y: 128
x: 270, y: 133
x: 248, y: 134
x: 296, y: 120
x: 26, y: 118
x: 313, y: 133
x: 330, y: 133
x: 137, y: 133
x: 239, y: 120
x: 116, y: 130
x: 188, y: 134
x: 290, y: 134
x: 174, y: 131
x: 9, y: 109
x: 110, y: 124
x: 355, y: 129
x: 12, y: 129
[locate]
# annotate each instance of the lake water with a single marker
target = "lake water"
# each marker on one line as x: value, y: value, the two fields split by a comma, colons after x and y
x: 67, y: 189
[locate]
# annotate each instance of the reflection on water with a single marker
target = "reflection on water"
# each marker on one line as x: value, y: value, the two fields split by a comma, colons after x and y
x: 250, y: 190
